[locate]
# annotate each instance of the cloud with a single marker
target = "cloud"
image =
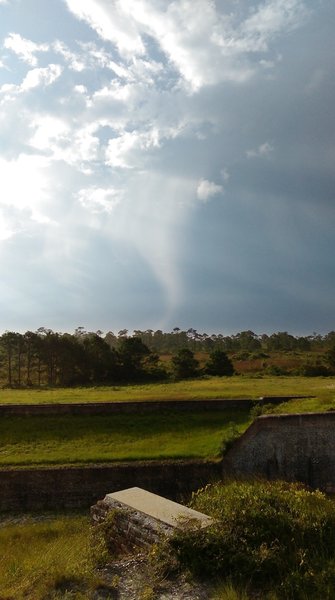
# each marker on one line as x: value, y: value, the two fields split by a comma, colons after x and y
x: 23, y: 48
x: 204, y: 43
x: 111, y: 23
x: 61, y: 140
x: 41, y: 77
x: 207, y: 189
x: 263, y: 150
x: 99, y: 200
x: 166, y: 104
x: 24, y: 192
x: 270, y: 19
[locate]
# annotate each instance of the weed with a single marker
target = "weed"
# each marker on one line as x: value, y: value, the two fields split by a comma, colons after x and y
x: 147, y: 594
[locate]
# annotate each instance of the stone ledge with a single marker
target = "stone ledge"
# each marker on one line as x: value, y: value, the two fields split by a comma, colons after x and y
x: 142, y: 518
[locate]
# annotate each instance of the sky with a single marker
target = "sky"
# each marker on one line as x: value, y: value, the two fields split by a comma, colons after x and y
x: 167, y: 163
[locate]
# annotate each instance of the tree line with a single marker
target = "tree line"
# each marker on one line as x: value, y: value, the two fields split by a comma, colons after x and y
x: 45, y: 357
x: 161, y: 342
x: 48, y: 358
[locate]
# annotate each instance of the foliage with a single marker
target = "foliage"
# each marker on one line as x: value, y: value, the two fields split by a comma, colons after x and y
x: 330, y: 359
x: 103, y: 539
x: 54, y: 359
x: 45, y: 357
x: 315, y: 370
x: 184, y: 364
x: 266, y: 535
x: 219, y: 364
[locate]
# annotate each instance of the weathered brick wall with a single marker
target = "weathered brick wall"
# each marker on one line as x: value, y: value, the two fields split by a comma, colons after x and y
x: 76, y: 487
x: 129, y: 528
x: 107, y: 408
x: 293, y: 447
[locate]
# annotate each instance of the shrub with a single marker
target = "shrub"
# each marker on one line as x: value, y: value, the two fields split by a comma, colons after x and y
x: 316, y: 370
x: 267, y: 536
x: 184, y: 364
x: 276, y: 371
x: 219, y: 364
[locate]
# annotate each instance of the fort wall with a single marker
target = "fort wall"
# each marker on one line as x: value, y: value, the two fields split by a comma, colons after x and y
x: 293, y: 447
x: 51, y: 488
x: 132, y: 407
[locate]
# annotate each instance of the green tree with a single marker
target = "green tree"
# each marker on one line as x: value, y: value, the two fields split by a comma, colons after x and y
x: 184, y: 364
x: 132, y: 353
x: 219, y: 364
x: 330, y: 358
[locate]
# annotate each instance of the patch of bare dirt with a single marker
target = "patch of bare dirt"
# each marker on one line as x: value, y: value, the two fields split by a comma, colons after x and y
x: 133, y: 579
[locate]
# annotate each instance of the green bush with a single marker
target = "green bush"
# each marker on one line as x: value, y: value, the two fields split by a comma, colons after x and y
x: 268, y: 536
x: 315, y: 370
x: 219, y: 364
x: 184, y: 364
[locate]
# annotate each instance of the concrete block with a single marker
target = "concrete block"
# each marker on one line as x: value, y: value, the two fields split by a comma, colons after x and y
x: 164, y: 510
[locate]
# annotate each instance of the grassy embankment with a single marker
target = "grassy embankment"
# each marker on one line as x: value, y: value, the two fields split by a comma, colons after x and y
x: 71, y: 440
x: 76, y: 439
x: 240, y: 386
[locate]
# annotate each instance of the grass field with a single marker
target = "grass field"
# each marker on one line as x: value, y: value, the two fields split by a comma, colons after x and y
x: 41, y: 559
x: 77, y: 439
x: 239, y: 386
x: 81, y: 439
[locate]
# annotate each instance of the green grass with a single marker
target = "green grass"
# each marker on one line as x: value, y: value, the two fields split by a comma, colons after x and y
x: 302, y: 406
x: 46, y: 559
x: 77, y: 439
x: 241, y: 386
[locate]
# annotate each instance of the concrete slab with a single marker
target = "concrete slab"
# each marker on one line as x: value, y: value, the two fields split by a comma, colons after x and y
x: 162, y: 509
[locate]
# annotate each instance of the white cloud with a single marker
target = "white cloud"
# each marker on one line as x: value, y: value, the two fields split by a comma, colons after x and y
x: 99, y: 200
x: 62, y: 140
x: 24, y: 187
x: 206, y: 189
x: 205, y: 44
x: 109, y: 20
x: 43, y: 76
x: 271, y: 18
x: 75, y: 62
x: 7, y: 229
x: 125, y: 151
x: 23, y: 48
x: 263, y: 150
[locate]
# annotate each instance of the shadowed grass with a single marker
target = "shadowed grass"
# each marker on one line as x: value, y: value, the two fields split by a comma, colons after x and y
x: 77, y: 439
x: 211, y: 387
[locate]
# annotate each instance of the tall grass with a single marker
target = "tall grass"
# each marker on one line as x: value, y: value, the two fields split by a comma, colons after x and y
x: 46, y: 559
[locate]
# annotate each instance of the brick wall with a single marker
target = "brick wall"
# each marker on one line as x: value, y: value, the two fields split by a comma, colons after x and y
x: 129, y: 528
x: 78, y: 487
x: 107, y: 408
x: 297, y: 447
